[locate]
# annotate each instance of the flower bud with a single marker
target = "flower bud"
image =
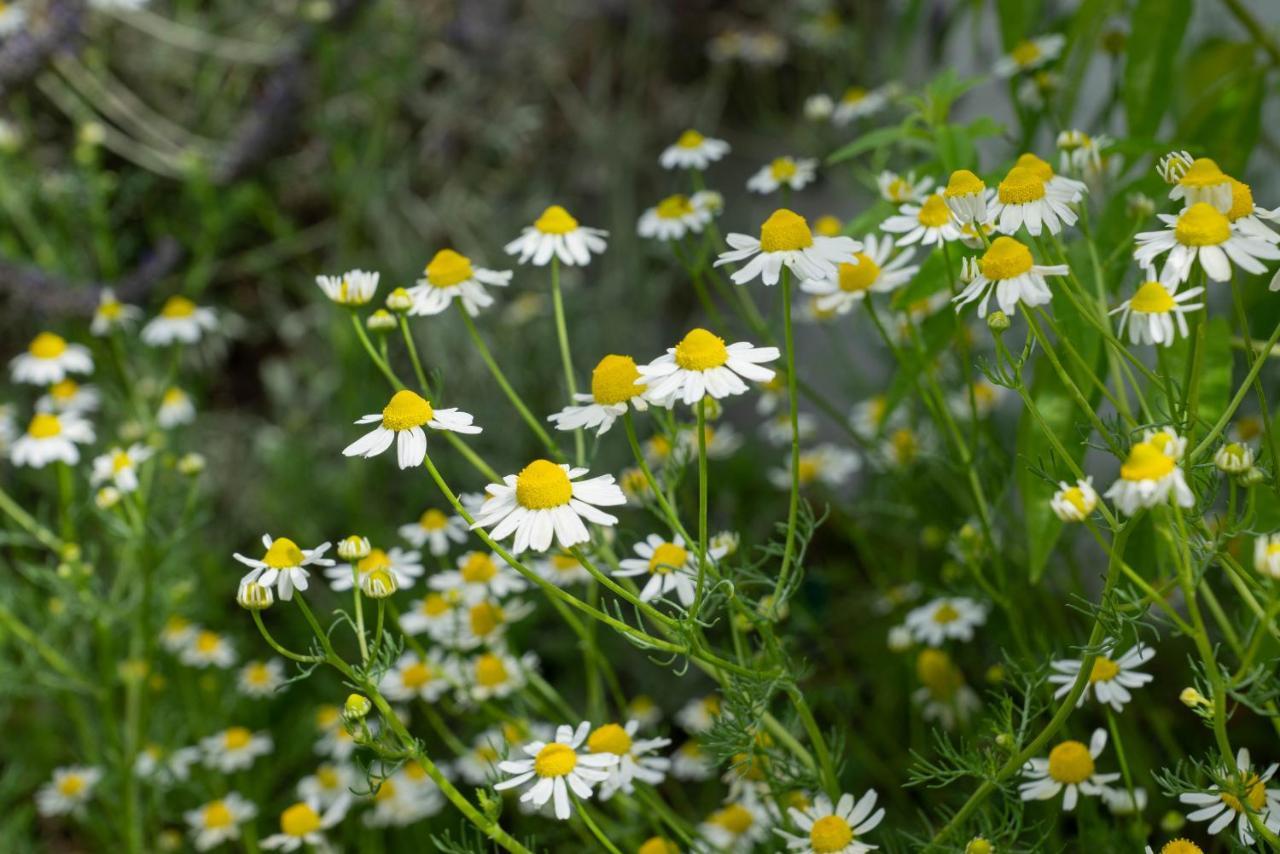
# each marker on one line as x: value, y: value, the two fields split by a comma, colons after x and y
x: 1191, y: 698
x: 978, y: 845
x: 191, y: 464
x: 1004, y: 741
x: 818, y: 107
x: 1233, y: 458
x: 1172, y: 821
x: 353, y: 548
x: 899, y: 639
x: 1139, y: 206
x: 727, y: 540
x: 253, y: 596
x: 969, y: 270
x: 399, y: 300
x: 1252, y: 477
x: 380, y: 321
x: 378, y: 584
x: 1174, y: 165
x: 356, y: 707
x: 107, y: 497
x: 998, y: 322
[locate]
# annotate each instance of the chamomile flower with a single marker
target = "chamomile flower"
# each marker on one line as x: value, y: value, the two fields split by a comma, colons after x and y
x: 48, y: 360
x: 450, y: 276
x: 1246, y: 216
x: 207, y: 648
x: 869, y: 416
x: 1149, y: 476
x: 777, y: 429
x: 857, y: 103
x: 219, y: 821
x: 557, y: 767
x: 1110, y: 679
x: 68, y: 791
x: 1008, y: 271
x: 283, y: 565
x: 967, y: 197
x: 721, y: 441
x: 235, y: 748
x: 790, y: 172
x: 1203, y: 181
x: 557, y: 234
x: 693, y: 151
x: 331, y: 783
x: 175, y: 409
x: 1030, y: 54
x: 699, y: 714
x: 1027, y: 198
x: 1202, y: 233
x: 616, y: 387
x: 69, y: 396
x: 1167, y: 440
x: 739, y: 825
x: 834, y: 829
x: 670, y: 566
x: 690, y: 762
x: 111, y: 314
x: 875, y: 270
x: 261, y: 678
x: 1074, y: 502
x: 13, y: 18
x: 417, y: 677
x: 1070, y: 767
x: 1234, y: 458
x: 353, y: 288
x: 1156, y: 313
x: 702, y: 364
x: 1172, y: 166
x: 901, y: 189
x: 829, y: 465
x: 947, y: 618
x: 928, y: 223
x: 155, y: 764
x: 176, y: 633
x: 1177, y: 846
x: 479, y: 575
x: 437, y: 614
x: 562, y: 569
x: 546, y: 501
x: 494, y: 675
x: 1221, y: 808
x: 180, y: 321
x: 785, y: 240
x: 485, y: 621
x: 51, y: 438
x: 334, y: 741
x: 1081, y: 153
x: 479, y: 765
x: 303, y: 824
x: 635, y: 761
x: 119, y: 467
x: 643, y: 709
x: 819, y: 107
x: 401, y: 421
x: 943, y: 695
x: 404, y: 566
x: 406, y: 797
x: 675, y: 216
x: 1266, y: 555
x: 435, y: 531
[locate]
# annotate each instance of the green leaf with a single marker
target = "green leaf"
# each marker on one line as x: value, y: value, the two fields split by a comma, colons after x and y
x: 876, y: 139
x: 1082, y: 41
x: 1215, y: 371
x: 1156, y: 28
x: 1223, y: 93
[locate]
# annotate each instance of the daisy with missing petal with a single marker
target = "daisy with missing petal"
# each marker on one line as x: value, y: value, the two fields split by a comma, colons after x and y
x: 235, y: 748
x: 693, y: 151
x: 943, y: 695
x: 1203, y: 181
x: 674, y: 217
x: 282, y: 565
x: 68, y: 791
x: 51, y: 438
x: 615, y: 388
x: 401, y: 421
x: 901, y: 189
x: 69, y: 396
x: 546, y: 501
x: 1007, y: 270
x: 219, y: 821
x: 1156, y: 313
x: 1266, y: 555
x: 785, y: 239
x: 207, y: 648
x: 557, y: 767
x: 111, y: 314
x: 480, y: 575
x: 875, y: 270
x: 834, y: 829
x: 670, y: 566
x: 180, y: 321
x: 417, y: 677
x: 929, y: 223
x: 1149, y: 477
x: 119, y: 466
x: 1070, y: 766
x: 790, y: 172
x: 829, y: 465
x: 1110, y: 679
x: 1025, y: 199
x: 1030, y: 54
x: 557, y: 234
x: 1249, y: 792
x: 175, y: 409
x: 261, y: 678
x: 1074, y: 502
x: 1203, y: 233
x: 303, y: 824
x: 435, y: 531
x: 857, y: 103
x: 951, y: 618
x: 404, y: 566
x: 448, y: 277
x: 701, y: 364
x: 635, y: 761
x: 353, y: 288
x: 48, y: 360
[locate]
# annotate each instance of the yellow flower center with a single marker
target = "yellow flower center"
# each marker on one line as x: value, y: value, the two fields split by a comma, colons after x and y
x: 376, y: 560
x: 283, y: 554
x: 783, y: 169
x: 934, y: 212
x: 64, y: 391
x: 327, y: 776
x: 808, y: 469
x: 433, y: 605
x: 386, y: 791
x: 110, y: 309
x: 71, y: 785
x: 785, y: 231
x: 416, y: 675
x: 658, y: 845
x: 542, y: 485
x: 406, y: 410
x: 828, y: 225
x: 478, y: 568
x: 1181, y: 846
x: 216, y: 815
x: 433, y: 520
x: 448, y: 268
x: 414, y: 770
x: 700, y: 350
x: 855, y: 278
x: 675, y: 207
x: 555, y: 220
x: 258, y: 674
x: 1037, y: 165
x: 734, y: 818
x: 853, y: 95
x: 945, y: 613
x: 609, y: 738
x: 1006, y: 259
x: 47, y: 345
x: 690, y: 139
x: 904, y: 444
x: 1152, y: 298
x: 555, y: 760
x: 1241, y: 200
x: 1202, y: 173
x: 938, y: 674
x: 667, y: 558
x: 1146, y: 461
x: 1074, y: 496
x: 207, y: 642
x: 44, y: 426
x: 963, y: 183
x: 176, y: 306
x: 236, y: 738
x: 490, y: 671
x: 830, y: 833
x: 1020, y: 186
x: 1025, y: 52
x: 564, y: 563
x: 1070, y: 762
x: 327, y: 716
x: 1255, y: 795
x: 299, y: 820
x: 173, y: 397
x: 1104, y: 670
x: 1202, y: 225
x: 485, y: 617
x: 615, y: 380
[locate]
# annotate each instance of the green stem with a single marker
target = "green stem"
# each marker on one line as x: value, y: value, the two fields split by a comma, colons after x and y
x: 793, y: 504
x: 413, y: 357
x: 378, y: 361
x: 562, y: 335
x: 702, y: 506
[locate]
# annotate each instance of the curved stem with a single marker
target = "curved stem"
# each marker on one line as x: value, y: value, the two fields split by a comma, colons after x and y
x: 274, y: 644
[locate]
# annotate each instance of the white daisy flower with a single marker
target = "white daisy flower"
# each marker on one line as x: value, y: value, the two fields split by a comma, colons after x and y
x: 119, y: 466
x: 68, y: 791
x: 1110, y: 679
x: 479, y: 765
x: 928, y: 223
x: 176, y: 409
x: 633, y: 755
x: 330, y: 784
x: 303, y: 824
x: 1222, y: 808
x: 693, y: 151
x: 207, y: 648
x: 1156, y: 313
x: 562, y: 569
x: 486, y: 622
x: 401, y: 421
x: 404, y: 566
x: 1060, y: 186
x: 1027, y: 198
x: 739, y: 825
x: 943, y: 696
x: 1203, y: 233
x: 986, y: 395
x: 790, y: 172
x: 947, y: 618
x: 1203, y: 181
x: 1233, y: 458
x: 826, y: 464
x: 51, y: 438
x: 353, y: 288
x: 857, y: 103
x: 967, y: 197
x: 777, y: 430
x: 557, y: 767
x: 219, y: 821
x: 615, y: 388
x: 436, y: 614
x: 479, y: 575
x: 1030, y: 54
x: 819, y: 107
x: 416, y: 677
x: 1149, y: 477
x: 557, y: 233
x: 1167, y: 440
x: 180, y: 321
x: 1074, y: 502
x: 670, y: 566
x: 448, y: 277
x: 334, y: 741
x: 1177, y: 846
x: 48, y: 360
x: 545, y: 501
x: 177, y: 633
x: 1120, y: 802
x: 1246, y: 217
x: 691, y: 763
x: 155, y: 764
x: 1172, y: 166
x: 874, y: 270
x: 1080, y: 153
x: 868, y: 417
x: 673, y: 218
x: 699, y: 714
x: 111, y: 314
x: 235, y: 748
x: 435, y: 531
x: 785, y: 239
x: 702, y: 364
x: 721, y: 441
x: 261, y: 678
x: 282, y: 565
x: 1266, y: 555
x: 834, y: 829
x: 494, y: 675
x: 69, y: 396
x: 13, y: 17
x: 1008, y: 271
x: 406, y: 797
x: 901, y: 189
x: 644, y: 710
x: 1070, y: 766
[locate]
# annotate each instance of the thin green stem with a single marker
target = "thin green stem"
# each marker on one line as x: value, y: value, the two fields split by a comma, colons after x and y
x: 562, y: 336
x: 793, y: 502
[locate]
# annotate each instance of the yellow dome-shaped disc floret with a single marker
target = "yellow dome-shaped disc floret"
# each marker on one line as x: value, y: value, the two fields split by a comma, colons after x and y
x: 667, y: 558
x: 299, y: 820
x: 47, y: 345
x: 783, y: 169
x: 701, y: 350
x: 283, y: 554
x: 658, y: 845
x: 478, y: 568
x: 609, y: 738
x: 490, y: 671
x: 963, y: 183
x: 615, y: 380
x: 1181, y: 846
x: 1241, y: 200
x: 690, y: 139
x: 1020, y: 186
x: 44, y: 426
x: 785, y: 231
x: 406, y: 410
x: 1037, y: 165
x: 1202, y: 225
x: 178, y: 306
x: 830, y: 833
x: 555, y: 760
x: 1146, y: 462
x: 542, y: 485
x: 448, y: 268
x: 934, y: 212
x: 1203, y: 172
x: 1006, y: 259
x: 1070, y: 762
x: 855, y: 278
x: 555, y: 220
x: 1152, y: 298
x: 675, y: 207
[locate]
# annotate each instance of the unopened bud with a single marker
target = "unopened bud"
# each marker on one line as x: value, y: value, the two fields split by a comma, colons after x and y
x: 353, y: 548
x: 1139, y: 205
x: 978, y: 845
x: 399, y: 300
x: 378, y: 584
x: 998, y: 322
x: 107, y: 497
x: 1191, y: 698
x: 380, y: 321
x: 253, y: 596
x: 356, y: 707
x: 191, y: 464
x: 1233, y: 458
